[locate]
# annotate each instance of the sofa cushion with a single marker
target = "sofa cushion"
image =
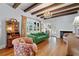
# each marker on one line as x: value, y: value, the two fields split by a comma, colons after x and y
x: 38, y: 37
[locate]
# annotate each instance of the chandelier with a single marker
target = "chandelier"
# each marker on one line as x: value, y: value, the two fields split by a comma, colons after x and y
x: 47, y: 14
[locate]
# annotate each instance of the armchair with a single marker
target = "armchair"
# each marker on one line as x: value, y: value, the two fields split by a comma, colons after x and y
x: 24, y: 47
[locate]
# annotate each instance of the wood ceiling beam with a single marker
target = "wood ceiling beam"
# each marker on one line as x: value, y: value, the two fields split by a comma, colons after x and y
x: 63, y: 8
x: 76, y: 9
x: 50, y: 6
x: 64, y: 13
x: 61, y: 13
x: 16, y: 5
x: 32, y: 6
x: 66, y: 7
x: 40, y: 15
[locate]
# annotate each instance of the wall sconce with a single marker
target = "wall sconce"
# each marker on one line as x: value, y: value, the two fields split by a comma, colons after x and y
x: 9, y: 29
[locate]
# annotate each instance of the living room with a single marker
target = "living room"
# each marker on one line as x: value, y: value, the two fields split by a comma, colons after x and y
x: 47, y: 25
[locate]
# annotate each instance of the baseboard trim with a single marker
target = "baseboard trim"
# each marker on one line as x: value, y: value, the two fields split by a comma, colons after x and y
x: 2, y: 46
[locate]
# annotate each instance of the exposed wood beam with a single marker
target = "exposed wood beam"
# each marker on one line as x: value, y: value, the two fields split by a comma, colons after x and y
x: 63, y: 8
x: 50, y: 6
x: 32, y: 6
x: 42, y: 17
x: 66, y: 7
x: 16, y: 5
x: 61, y: 14
x: 39, y: 15
x: 76, y: 9
x: 64, y: 13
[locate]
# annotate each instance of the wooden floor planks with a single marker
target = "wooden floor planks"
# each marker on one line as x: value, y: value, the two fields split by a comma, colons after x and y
x: 43, y: 49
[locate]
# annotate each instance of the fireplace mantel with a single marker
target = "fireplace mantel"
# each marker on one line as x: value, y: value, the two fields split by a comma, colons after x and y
x: 62, y: 33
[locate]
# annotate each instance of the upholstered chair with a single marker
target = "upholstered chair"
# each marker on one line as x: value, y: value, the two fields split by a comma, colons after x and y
x: 24, y: 47
x: 73, y: 45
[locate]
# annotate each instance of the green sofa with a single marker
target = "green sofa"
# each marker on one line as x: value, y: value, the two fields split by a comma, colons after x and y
x: 38, y: 37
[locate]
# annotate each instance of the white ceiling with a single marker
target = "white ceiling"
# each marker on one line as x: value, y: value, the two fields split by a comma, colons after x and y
x: 24, y: 6
x: 10, y: 4
x: 62, y: 5
x: 40, y: 7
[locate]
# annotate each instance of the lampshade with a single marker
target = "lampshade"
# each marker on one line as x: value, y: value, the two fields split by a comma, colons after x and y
x: 76, y: 21
x: 9, y: 28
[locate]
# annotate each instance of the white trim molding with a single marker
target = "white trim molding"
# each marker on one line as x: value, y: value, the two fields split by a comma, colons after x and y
x: 2, y: 46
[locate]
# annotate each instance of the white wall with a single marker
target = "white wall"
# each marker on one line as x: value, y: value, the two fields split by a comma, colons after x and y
x: 63, y: 23
x: 7, y: 12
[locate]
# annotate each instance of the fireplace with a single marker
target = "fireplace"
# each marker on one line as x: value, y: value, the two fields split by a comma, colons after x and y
x: 63, y: 32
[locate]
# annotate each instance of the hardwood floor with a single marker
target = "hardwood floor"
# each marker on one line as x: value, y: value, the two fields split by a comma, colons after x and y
x: 43, y: 49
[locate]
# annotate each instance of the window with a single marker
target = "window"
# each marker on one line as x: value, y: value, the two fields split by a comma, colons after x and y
x: 32, y: 25
x: 38, y: 26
